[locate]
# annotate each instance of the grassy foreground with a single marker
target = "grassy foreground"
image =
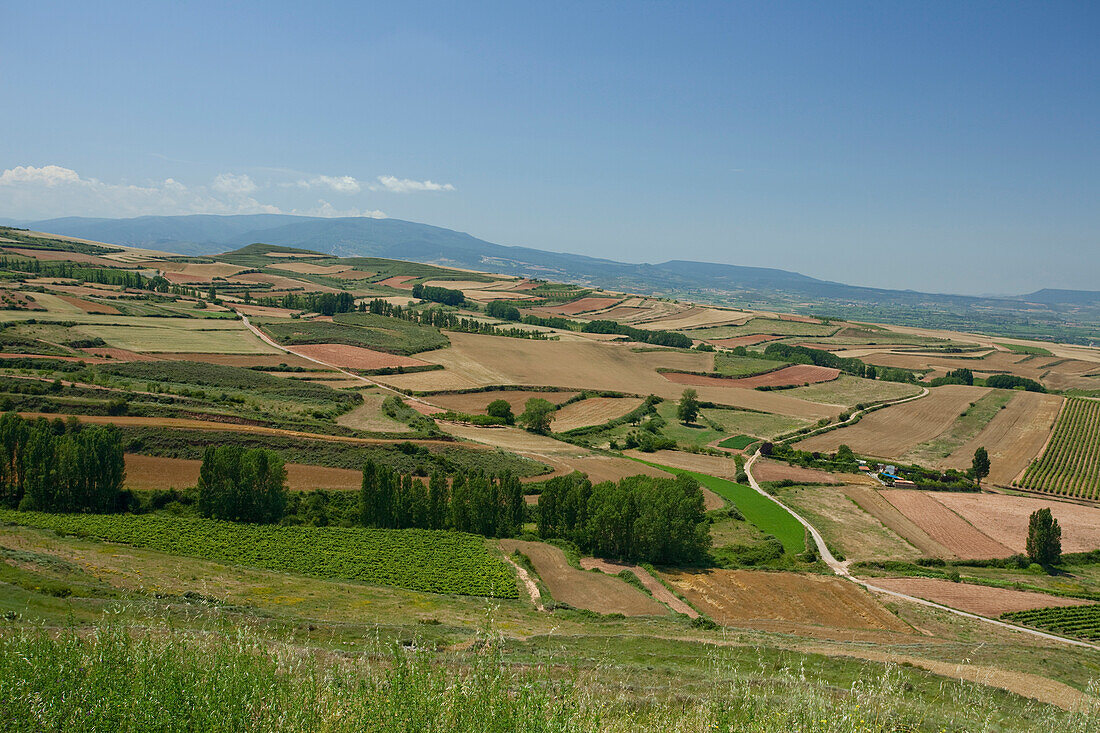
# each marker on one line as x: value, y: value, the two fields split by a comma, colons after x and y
x: 167, y: 680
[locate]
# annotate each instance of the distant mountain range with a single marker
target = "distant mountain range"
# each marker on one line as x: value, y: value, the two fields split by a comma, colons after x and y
x: 1072, y: 315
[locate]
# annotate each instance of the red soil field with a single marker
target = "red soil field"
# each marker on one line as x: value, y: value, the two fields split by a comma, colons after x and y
x: 88, y: 306
x: 792, y: 375
x: 654, y: 586
x: 355, y: 357
x: 398, y: 281
x: 155, y: 472
x: 52, y: 255
x: 979, y: 599
x: 581, y: 305
x: 945, y: 526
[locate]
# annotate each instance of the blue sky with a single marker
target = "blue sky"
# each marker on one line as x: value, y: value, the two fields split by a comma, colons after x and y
x: 950, y: 147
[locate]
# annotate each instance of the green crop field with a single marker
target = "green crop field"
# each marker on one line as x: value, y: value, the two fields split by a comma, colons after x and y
x: 761, y: 511
x: 365, y: 330
x: 744, y: 366
x: 424, y: 560
x: 850, y: 391
x: 1070, y: 465
x: 1080, y: 621
x: 738, y: 442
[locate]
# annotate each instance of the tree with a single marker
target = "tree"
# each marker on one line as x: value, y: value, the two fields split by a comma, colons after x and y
x: 1044, y: 538
x: 502, y: 410
x: 537, y: 415
x: 980, y: 465
x: 504, y: 311
x: 241, y: 485
x: 688, y: 409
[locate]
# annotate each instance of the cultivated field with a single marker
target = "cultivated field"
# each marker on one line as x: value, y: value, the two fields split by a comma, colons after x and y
x: 873, y: 502
x: 1013, y: 437
x: 157, y: 472
x: 654, y: 586
x: 580, y: 589
x: 851, y: 391
x: 476, y: 360
x: 474, y: 403
x: 1070, y: 463
x: 846, y: 527
x: 1004, y: 518
x: 980, y: 599
x: 752, y: 598
x: 945, y: 526
x: 355, y: 357
x: 890, y: 432
x: 593, y: 411
x: 581, y: 305
x: 797, y: 374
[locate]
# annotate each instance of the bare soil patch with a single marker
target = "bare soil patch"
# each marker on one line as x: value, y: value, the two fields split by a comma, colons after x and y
x: 654, y: 586
x: 581, y: 305
x: 355, y: 357
x: 156, y: 472
x: 57, y: 255
x: 1013, y: 437
x: 788, y: 376
x: 979, y: 599
x: 720, y: 466
x: 580, y: 589
x: 398, y: 281
x: 88, y: 306
x: 746, y: 597
x: 892, y: 431
x: 278, y: 281
x: 263, y: 311
x: 945, y: 526
x: 766, y: 470
x: 593, y: 411
x: 1004, y: 518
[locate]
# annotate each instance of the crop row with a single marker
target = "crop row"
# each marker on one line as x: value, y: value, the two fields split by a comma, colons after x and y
x: 422, y: 560
x: 1082, y: 621
x: 1070, y: 465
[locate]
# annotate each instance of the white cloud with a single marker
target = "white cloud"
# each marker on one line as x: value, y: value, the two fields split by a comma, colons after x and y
x: 234, y: 184
x: 339, y: 184
x: 49, y: 175
x: 324, y: 208
x: 407, y: 185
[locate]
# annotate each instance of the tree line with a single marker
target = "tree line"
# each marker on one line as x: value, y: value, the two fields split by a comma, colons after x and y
x: 60, y: 467
x: 436, y: 294
x: 327, y: 304
x: 474, y: 502
x: 657, y: 338
x: 640, y: 518
x: 447, y: 320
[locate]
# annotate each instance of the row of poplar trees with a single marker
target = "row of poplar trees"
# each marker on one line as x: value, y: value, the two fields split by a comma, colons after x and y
x: 472, y: 502
x: 640, y: 518
x: 57, y: 467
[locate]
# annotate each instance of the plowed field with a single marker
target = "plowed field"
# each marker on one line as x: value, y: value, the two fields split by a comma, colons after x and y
x: 978, y: 599
x: 654, y: 586
x: 580, y: 589
x: 745, y: 598
x: 582, y: 305
x: 355, y: 357
x: 890, y: 432
x: 1004, y: 518
x: 945, y: 526
x: 156, y: 472
x: 474, y: 403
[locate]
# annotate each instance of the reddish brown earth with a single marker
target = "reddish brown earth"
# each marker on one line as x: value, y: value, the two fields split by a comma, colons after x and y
x: 355, y: 357
x: 978, y: 599
x: 156, y: 472
x: 654, y: 586
x: 398, y: 281
x: 88, y: 306
x: 581, y: 305
x: 945, y: 526
x: 766, y: 470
